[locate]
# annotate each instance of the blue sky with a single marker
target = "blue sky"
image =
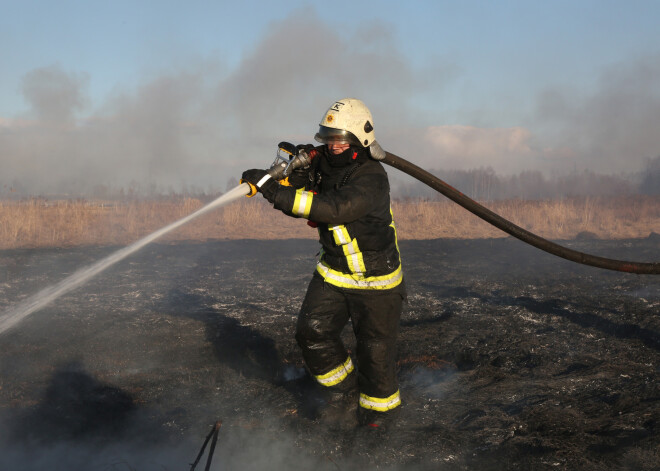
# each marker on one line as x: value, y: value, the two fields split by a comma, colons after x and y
x: 175, y: 93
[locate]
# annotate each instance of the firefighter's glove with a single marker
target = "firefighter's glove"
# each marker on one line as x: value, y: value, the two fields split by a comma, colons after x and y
x: 305, y: 147
x: 264, y: 183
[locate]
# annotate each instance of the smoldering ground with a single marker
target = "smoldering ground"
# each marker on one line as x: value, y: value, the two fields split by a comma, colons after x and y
x: 507, y: 357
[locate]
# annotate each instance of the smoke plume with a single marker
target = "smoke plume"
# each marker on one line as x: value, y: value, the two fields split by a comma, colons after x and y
x: 195, y: 126
x: 199, y: 126
x: 612, y: 127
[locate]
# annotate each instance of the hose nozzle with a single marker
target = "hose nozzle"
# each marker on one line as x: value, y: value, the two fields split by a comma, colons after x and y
x: 289, y: 158
x: 253, y: 189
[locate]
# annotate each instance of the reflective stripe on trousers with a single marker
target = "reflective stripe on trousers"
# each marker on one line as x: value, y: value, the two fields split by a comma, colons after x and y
x: 380, y: 404
x: 374, y: 316
x: 336, y: 375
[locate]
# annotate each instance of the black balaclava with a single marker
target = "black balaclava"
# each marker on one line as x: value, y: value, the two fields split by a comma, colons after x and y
x: 351, y: 155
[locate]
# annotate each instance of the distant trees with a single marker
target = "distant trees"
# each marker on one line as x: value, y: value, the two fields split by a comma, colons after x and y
x: 482, y: 183
x: 650, y: 184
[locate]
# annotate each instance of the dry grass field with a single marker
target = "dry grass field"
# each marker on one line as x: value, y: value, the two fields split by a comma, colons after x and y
x: 43, y: 223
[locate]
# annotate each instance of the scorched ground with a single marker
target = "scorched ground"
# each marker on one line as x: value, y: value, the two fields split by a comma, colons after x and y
x: 508, y: 359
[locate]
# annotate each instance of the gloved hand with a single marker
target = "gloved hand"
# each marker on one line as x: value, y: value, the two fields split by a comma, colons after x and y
x: 301, y: 176
x: 262, y: 181
x: 305, y: 147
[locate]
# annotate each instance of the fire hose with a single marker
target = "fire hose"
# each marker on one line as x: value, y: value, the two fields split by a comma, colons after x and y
x: 514, y: 230
x: 290, y: 157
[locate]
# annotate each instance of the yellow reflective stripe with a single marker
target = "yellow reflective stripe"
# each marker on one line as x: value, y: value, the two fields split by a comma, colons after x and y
x: 340, y: 234
x: 357, y: 281
x: 302, y: 203
x: 380, y: 404
x: 336, y: 375
x: 396, y: 238
x: 350, y: 247
x: 354, y: 257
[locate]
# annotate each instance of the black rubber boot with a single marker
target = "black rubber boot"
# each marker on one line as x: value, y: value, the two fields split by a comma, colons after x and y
x: 340, y: 403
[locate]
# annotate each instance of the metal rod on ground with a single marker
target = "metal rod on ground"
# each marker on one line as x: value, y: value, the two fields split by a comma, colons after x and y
x: 516, y: 231
x: 212, y: 449
x: 213, y: 433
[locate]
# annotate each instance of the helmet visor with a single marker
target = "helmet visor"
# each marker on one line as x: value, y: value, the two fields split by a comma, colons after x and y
x: 335, y: 136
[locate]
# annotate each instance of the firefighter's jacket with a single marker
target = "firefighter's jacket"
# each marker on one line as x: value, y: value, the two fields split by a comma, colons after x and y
x: 347, y: 197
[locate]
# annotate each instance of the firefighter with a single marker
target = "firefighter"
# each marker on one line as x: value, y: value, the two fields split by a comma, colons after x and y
x: 345, y: 194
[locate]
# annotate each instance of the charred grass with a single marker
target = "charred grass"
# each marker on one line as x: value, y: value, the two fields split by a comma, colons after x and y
x: 38, y: 222
x: 508, y: 358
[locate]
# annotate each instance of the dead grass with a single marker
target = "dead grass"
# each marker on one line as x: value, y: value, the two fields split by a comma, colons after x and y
x: 42, y: 223
x: 605, y: 218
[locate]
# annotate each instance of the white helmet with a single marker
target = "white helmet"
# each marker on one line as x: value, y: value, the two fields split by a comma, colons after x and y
x: 348, y: 121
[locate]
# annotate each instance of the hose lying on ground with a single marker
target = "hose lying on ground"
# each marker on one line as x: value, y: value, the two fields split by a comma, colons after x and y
x: 516, y: 231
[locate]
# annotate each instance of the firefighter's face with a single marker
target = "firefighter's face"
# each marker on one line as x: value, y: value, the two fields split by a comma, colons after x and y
x: 338, y: 147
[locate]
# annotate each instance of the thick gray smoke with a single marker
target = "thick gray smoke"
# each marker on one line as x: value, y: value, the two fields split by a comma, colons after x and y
x: 613, y: 127
x: 199, y: 126
x: 201, y: 123
x: 55, y: 96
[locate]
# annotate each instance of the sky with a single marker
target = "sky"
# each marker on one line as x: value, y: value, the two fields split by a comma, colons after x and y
x: 181, y: 95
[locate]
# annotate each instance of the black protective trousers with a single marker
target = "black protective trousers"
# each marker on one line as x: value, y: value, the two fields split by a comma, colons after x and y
x: 375, y: 317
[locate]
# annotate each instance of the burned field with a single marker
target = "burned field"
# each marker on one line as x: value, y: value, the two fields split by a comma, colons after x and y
x: 508, y: 358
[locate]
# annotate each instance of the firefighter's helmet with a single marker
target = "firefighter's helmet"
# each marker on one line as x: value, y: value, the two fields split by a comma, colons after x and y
x: 347, y: 121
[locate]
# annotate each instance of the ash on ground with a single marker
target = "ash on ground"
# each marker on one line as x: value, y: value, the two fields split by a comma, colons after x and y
x: 509, y: 358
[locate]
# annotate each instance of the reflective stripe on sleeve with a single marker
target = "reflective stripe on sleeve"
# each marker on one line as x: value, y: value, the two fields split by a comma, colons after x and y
x: 357, y: 281
x: 302, y: 204
x: 336, y: 375
x: 380, y: 404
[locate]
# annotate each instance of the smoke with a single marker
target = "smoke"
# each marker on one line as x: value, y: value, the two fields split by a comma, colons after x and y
x: 469, y: 145
x: 237, y: 448
x: 200, y: 123
x: 434, y: 383
x: 609, y: 128
x: 54, y: 95
x: 612, y: 127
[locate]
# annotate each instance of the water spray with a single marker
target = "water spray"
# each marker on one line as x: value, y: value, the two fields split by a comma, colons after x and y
x: 47, y: 295
x: 288, y: 159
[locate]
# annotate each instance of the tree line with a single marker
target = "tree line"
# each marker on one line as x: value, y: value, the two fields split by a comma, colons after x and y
x: 486, y: 185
